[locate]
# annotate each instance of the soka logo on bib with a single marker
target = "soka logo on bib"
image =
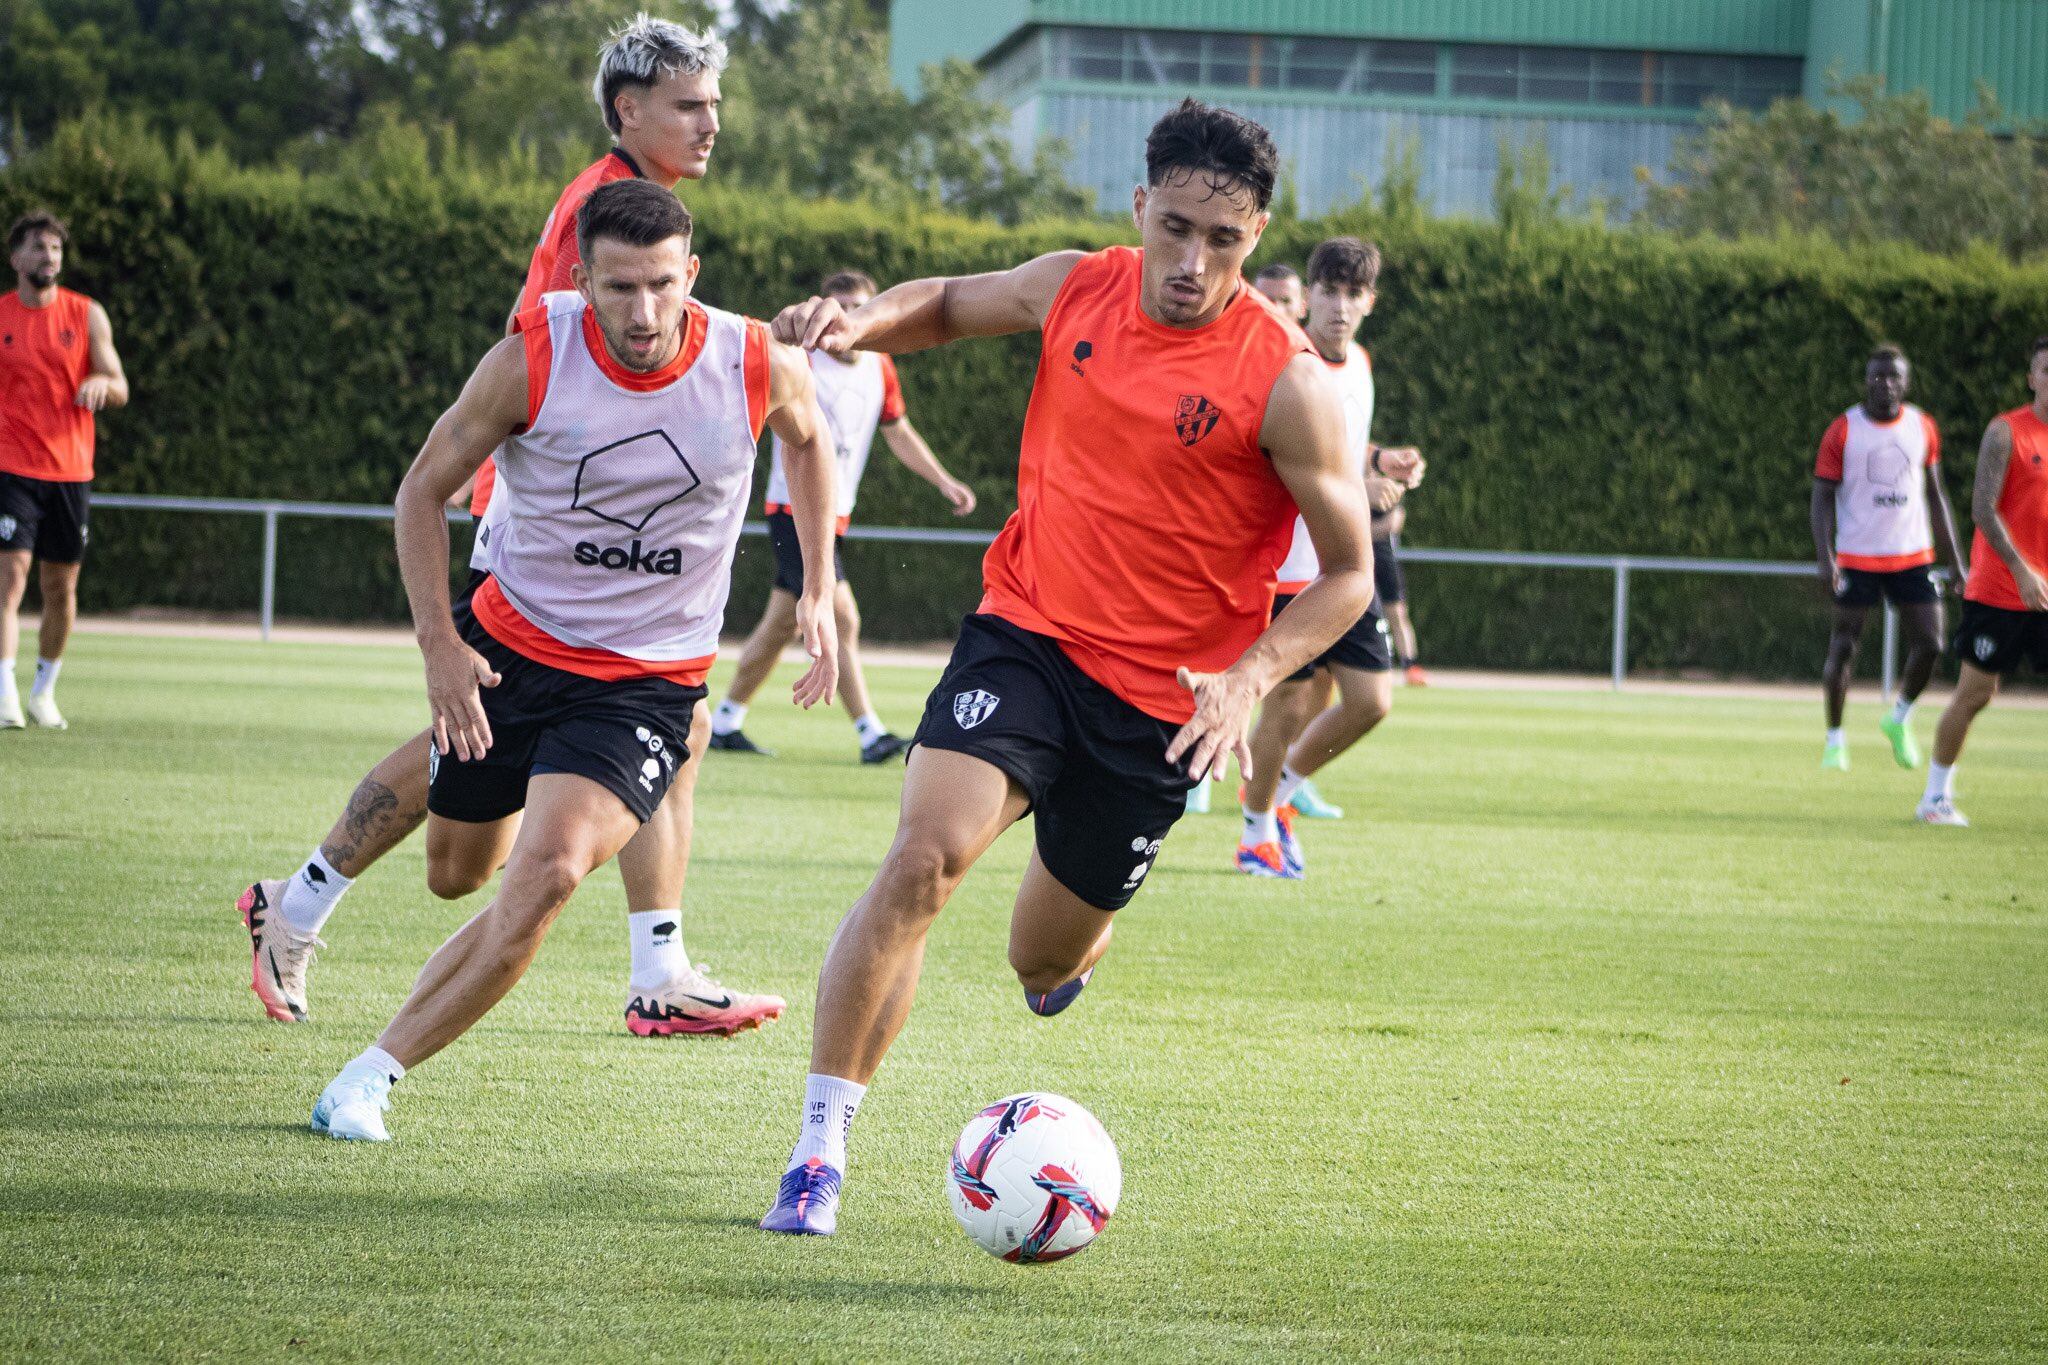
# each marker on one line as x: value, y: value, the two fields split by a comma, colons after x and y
x: 972, y: 708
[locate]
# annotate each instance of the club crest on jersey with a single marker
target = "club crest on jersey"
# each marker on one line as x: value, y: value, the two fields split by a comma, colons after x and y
x: 67, y: 338
x: 1194, y: 417
x: 972, y: 708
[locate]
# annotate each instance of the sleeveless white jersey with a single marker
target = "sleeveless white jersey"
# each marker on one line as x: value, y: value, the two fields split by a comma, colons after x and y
x: 858, y: 395
x: 616, y: 513
x: 1881, y: 518
x: 1354, y: 379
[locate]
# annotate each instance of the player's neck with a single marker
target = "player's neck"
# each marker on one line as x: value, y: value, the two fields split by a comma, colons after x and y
x: 1881, y: 419
x: 1194, y: 325
x: 33, y: 296
x: 643, y: 163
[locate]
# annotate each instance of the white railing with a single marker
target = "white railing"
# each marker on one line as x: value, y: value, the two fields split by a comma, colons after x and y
x: 1621, y: 566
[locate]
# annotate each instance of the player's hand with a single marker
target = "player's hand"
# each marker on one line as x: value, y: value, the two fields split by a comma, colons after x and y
x: 1383, y: 495
x: 1831, y: 581
x: 2033, y: 588
x: 94, y: 392
x: 816, y: 325
x: 1403, y: 464
x: 1221, y: 724
x: 454, y: 673
x: 959, y: 494
x: 816, y: 627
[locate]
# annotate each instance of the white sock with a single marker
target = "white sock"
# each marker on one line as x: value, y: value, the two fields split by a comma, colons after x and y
x: 312, y: 893
x: 869, y: 728
x: 375, y: 1059
x: 46, y: 676
x: 1941, y: 781
x: 657, y: 940
x: 1290, y: 783
x: 729, y: 716
x: 7, y: 687
x: 1837, y: 737
x: 1901, y: 709
x: 829, y: 1107
x: 1261, y: 827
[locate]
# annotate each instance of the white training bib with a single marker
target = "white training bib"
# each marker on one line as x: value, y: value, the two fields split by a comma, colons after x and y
x: 1881, y: 519
x: 1354, y: 379
x: 857, y: 395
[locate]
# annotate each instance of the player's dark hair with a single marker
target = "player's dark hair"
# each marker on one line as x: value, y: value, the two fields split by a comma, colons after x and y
x: 1231, y: 150
x: 1889, y: 350
x: 636, y: 212
x: 1278, y: 270
x: 849, y: 282
x: 2040, y: 345
x: 35, y: 220
x: 1345, y: 262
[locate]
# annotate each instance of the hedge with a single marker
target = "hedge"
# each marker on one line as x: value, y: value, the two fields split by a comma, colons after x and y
x: 1575, y: 388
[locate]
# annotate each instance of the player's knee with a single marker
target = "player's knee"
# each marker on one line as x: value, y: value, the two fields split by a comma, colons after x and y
x: 1036, y: 973
x: 846, y: 617
x: 451, y: 881
x: 923, y: 871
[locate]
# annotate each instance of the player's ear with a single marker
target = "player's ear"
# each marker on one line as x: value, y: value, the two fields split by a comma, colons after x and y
x: 1138, y: 208
x: 690, y: 275
x: 1372, y: 297
x: 579, y: 275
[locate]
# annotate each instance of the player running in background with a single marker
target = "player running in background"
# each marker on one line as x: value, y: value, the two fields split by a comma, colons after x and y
x: 657, y: 85
x: 1298, y: 731
x: 1390, y: 592
x: 1175, y: 424
x: 1879, y: 511
x: 58, y: 367
x: 625, y: 419
x: 859, y: 395
x: 2005, y: 598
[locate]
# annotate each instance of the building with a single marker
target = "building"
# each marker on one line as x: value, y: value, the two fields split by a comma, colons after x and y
x: 1605, y: 86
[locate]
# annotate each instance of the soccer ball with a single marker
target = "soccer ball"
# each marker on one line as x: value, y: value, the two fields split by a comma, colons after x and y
x: 1034, y: 1178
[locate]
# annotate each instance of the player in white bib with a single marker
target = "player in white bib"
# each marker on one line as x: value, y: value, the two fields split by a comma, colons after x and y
x: 624, y: 419
x: 1879, y: 512
x: 1297, y: 731
x: 860, y: 396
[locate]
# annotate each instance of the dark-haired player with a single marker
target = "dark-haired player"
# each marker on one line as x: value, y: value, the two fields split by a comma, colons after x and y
x: 1298, y: 731
x: 1879, y: 512
x: 563, y: 689
x: 860, y: 396
x: 1175, y: 424
x: 2005, y: 599
x: 1281, y: 283
x: 58, y: 367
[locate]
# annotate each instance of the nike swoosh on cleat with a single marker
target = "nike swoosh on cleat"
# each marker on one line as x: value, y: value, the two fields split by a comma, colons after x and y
x: 722, y: 1003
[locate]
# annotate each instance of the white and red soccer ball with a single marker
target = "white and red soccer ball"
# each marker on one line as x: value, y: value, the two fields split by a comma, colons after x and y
x: 1034, y: 1178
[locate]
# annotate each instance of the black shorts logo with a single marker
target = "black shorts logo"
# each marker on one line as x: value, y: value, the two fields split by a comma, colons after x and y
x: 972, y: 708
x: 1194, y: 417
x: 1984, y: 648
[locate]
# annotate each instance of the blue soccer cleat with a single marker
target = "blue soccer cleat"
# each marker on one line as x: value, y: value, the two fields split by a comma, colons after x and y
x: 1051, y: 1002
x: 807, y: 1205
x: 1266, y: 860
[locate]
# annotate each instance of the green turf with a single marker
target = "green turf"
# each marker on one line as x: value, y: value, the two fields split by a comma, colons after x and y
x: 1606, y: 1028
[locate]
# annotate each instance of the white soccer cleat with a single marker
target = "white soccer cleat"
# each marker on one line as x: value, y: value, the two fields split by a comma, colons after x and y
x: 43, y: 712
x: 352, y: 1106
x: 10, y: 711
x: 280, y: 953
x: 1940, y: 810
x: 692, y: 1002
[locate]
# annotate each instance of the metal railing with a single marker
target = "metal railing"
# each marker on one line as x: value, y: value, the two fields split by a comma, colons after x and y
x: 1621, y: 566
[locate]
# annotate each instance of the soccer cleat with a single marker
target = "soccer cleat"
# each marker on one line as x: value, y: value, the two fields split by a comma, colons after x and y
x: 884, y: 747
x: 1835, y: 758
x: 42, y: 712
x: 1308, y: 803
x: 807, y: 1204
x: 10, y: 711
x: 1198, y: 799
x: 1940, y: 810
x: 1290, y: 846
x: 1265, y: 860
x: 1059, y: 997
x: 736, y: 742
x: 693, y: 1003
x: 1901, y: 735
x: 352, y: 1106
x: 1415, y: 675
x: 280, y: 953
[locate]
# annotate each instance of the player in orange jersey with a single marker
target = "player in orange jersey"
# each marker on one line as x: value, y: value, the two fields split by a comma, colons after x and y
x: 1122, y: 642
x: 2005, y: 600
x: 58, y: 367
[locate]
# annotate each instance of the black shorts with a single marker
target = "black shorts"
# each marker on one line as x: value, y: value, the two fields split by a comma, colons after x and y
x: 789, y: 554
x: 1388, y: 586
x: 44, y: 517
x: 1914, y: 587
x: 1997, y: 639
x: 1365, y: 646
x: 1094, y: 766
x: 628, y: 737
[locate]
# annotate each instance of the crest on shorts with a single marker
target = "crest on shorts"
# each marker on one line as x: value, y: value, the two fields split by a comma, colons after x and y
x: 972, y: 708
x: 1194, y: 417
x: 1984, y: 647
x: 7, y: 527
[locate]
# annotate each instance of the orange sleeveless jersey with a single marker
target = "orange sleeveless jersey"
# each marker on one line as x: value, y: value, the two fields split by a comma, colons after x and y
x: 2023, y: 507
x: 1149, y: 521
x: 554, y: 257
x: 44, y: 356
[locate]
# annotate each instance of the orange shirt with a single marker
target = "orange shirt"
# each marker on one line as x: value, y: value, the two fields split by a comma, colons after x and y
x: 44, y: 356
x: 1149, y: 520
x: 554, y: 256
x: 2023, y: 507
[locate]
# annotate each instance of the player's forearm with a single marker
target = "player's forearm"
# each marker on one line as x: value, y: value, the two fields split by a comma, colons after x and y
x: 1324, y: 610
x: 909, y: 447
x: 1946, y: 542
x: 2000, y: 540
x: 421, y: 527
x: 813, y: 494
x: 907, y: 317
x: 1822, y: 519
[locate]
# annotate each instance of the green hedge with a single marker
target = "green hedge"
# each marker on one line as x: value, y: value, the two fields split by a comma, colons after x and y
x: 1575, y: 388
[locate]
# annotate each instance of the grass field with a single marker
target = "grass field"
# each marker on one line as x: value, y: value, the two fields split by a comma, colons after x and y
x: 1605, y: 1029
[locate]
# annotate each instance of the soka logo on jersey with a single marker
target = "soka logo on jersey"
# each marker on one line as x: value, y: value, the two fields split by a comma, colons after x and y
x: 972, y: 708
x: 634, y: 558
x: 626, y: 483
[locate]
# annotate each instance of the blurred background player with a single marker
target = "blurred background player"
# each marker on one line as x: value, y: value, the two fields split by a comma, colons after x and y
x: 1281, y: 283
x: 2005, y: 599
x: 860, y: 395
x: 657, y: 86
x: 1879, y: 511
x: 1391, y: 596
x: 1297, y: 732
x: 58, y: 367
